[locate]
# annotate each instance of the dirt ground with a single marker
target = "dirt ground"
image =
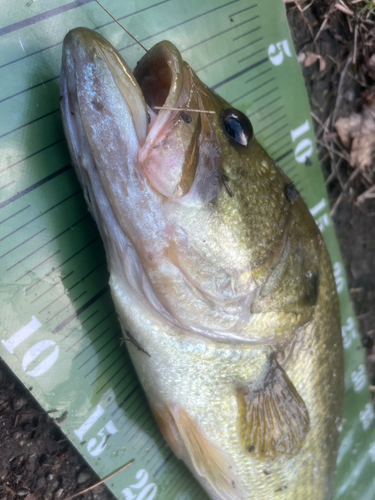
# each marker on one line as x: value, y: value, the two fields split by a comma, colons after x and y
x: 36, y: 461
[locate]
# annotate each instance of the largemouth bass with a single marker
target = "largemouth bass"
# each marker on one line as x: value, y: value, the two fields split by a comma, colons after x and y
x: 219, y: 274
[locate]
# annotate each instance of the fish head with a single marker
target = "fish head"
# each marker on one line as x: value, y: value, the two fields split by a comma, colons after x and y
x: 192, y: 210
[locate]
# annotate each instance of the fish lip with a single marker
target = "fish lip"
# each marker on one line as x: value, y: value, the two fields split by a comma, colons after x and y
x: 84, y: 48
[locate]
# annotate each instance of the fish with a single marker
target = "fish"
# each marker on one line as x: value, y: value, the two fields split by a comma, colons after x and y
x: 219, y: 275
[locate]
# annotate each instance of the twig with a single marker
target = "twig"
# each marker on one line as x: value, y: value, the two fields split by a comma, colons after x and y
x: 308, y: 25
x: 367, y: 194
x: 331, y: 176
x: 340, y: 89
x: 308, y: 6
x: 330, y: 148
x: 100, y: 482
x: 337, y: 203
x: 344, y: 8
x: 322, y: 26
x: 355, y: 37
x: 16, y: 420
x: 344, y: 188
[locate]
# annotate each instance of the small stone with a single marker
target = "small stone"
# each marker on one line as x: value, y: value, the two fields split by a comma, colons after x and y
x: 40, y: 482
x: 83, y: 477
x: 22, y: 492
x: 17, y: 435
x: 28, y: 427
x: 54, y: 485
x: 18, y: 403
x: 50, y: 477
x: 59, y: 493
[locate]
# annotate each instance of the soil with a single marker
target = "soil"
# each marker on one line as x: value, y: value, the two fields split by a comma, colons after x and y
x: 36, y: 461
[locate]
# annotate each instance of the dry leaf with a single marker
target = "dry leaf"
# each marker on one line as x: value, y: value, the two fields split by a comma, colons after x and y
x: 322, y: 64
x: 311, y: 58
x: 357, y: 132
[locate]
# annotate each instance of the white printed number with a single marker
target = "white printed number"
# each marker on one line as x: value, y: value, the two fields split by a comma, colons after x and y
x: 92, y: 447
x: 104, y: 433
x: 339, y: 277
x: 359, y: 378
x: 147, y: 491
x: 304, y: 146
x: 324, y: 219
x: 276, y: 52
x: 349, y: 333
x: 367, y: 416
x: 35, y: 351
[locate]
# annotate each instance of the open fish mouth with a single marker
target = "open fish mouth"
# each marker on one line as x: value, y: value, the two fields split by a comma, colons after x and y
x: 96, y: 79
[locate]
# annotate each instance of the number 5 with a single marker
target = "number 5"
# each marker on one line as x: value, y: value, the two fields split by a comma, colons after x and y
x: 276, y: 54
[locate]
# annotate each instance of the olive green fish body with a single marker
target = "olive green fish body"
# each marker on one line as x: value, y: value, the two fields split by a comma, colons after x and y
x: 219, y: 274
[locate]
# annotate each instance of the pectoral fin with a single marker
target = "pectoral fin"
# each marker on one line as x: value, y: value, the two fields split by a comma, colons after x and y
x: 213, y: 467
x: 273, y: 418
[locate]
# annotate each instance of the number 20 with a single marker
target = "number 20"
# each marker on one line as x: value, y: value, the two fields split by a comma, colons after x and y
x: 148, y: 491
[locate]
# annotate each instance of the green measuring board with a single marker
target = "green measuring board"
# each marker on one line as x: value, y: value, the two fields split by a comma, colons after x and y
x: 59, y: 331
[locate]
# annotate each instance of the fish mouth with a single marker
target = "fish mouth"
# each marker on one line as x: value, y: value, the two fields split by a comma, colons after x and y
x: 160, y: 76
x: 157, y: 80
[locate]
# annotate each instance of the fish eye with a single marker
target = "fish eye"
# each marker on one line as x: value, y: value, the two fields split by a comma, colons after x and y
x: 237, y: 126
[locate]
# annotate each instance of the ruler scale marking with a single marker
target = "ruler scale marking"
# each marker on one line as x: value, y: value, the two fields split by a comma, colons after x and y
x: 85, y: 335
x: 40, y: 215
x: 30, y: 156
x: 35, y: 186
x: 64, y: 323
x: 48, y: 242
x: 49, y: 289
x: 267, y: 127
x: 275, y: 132
x: 114, y: 362
x: 106, y: 344
x: 219, y: 34
x: 161, y: 32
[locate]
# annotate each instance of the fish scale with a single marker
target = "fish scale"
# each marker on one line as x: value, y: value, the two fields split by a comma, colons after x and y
x: 60, y: 332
